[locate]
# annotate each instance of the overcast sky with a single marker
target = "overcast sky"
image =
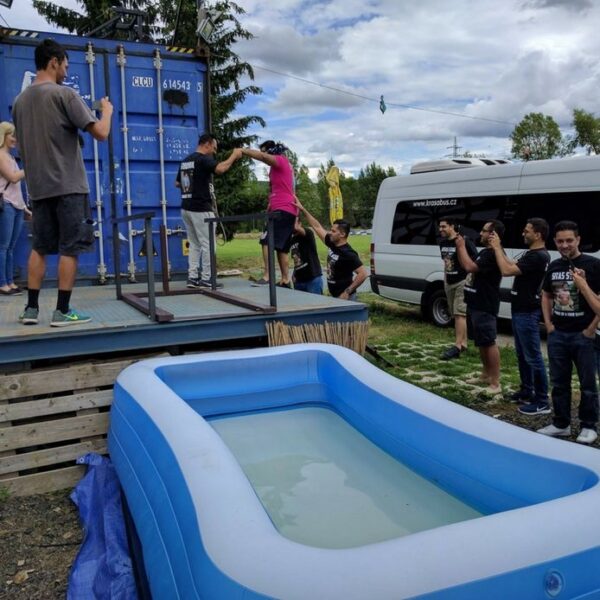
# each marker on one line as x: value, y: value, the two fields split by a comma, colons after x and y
x: 480, y: 58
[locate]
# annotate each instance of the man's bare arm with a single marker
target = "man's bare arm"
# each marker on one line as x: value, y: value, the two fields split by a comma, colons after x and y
x: 225, y: 165
x: 466, y: 262
x: 317, y: 227
x: 101, y: 129
x: 507, y: 267
x: 547, y: 300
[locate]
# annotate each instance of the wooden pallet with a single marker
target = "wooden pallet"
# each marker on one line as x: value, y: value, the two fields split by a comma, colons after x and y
x: 48, y: 418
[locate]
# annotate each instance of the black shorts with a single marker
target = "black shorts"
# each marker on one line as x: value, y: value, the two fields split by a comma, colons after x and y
x: 62, y: 225
x: 483, y: 328
x: 283, y: 229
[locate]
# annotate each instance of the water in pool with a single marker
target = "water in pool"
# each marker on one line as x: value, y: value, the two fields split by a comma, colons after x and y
x: 324, y: 484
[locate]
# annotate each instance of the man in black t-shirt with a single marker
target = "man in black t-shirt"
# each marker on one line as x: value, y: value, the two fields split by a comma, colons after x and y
x: 308, y: 276
x: 528, y: 271
x: 482, y: 294
x: 570, y: 324
x: 345, y: 271
x: 454, y: 283
x: 195, y: 180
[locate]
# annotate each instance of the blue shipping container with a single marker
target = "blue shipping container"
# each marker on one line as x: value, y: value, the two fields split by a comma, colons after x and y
x: 160, y: 96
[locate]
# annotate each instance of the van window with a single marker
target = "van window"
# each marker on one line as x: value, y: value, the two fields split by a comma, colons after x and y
x: 415, y: 221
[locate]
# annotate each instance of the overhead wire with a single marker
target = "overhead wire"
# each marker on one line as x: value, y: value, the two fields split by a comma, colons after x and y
x: 376, y: 100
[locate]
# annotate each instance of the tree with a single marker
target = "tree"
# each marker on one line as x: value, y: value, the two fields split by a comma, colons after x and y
x: 96, y: 12
x: 369, y: 180
x: 537, y: 137
x: 587, y: 128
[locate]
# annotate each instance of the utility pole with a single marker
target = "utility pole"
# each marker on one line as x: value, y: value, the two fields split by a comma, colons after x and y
x: 455, y: 148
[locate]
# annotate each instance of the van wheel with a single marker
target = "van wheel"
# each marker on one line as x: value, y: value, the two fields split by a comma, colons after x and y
x: 437, y: 309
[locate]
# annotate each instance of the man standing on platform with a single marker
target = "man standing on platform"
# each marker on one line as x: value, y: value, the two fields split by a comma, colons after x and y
x: 48, y: 117
x: 525, y: 300
x: 454, y: 283
x: 195, y: 179
x: 345, y: 271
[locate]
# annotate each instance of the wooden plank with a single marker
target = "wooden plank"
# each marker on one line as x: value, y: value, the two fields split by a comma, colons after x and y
x: 49, y: 481
x: 65, y: 379
x: 45, y: 432
x: 54, y: 406
x: 5, y: 425
x: 50, y: 456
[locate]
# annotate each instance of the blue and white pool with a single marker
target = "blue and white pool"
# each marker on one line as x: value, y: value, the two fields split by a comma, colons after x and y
x: 306, y: 472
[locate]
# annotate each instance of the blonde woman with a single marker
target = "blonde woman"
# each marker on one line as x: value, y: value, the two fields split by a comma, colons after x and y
x: 13, y: 208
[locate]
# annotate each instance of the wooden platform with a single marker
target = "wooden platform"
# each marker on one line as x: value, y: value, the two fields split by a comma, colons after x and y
x: 51, y: 415
x: 117, y: 327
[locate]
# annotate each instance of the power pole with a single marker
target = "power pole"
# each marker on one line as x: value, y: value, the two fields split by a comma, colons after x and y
x: 455, y: 148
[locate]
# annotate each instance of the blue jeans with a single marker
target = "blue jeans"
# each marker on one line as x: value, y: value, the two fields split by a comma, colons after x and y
x: 566, y: 349
x: 11, y: 220
x: 526, y: 331
x: 314, y: 286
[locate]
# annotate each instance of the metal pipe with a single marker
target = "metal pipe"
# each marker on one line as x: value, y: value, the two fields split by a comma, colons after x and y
x: 163, y: 259
x: 90, y: 58
x: 213, y: 254
x: 270, y: 261
x: 150, y: 263
x: 122, y: 61
x: 163, y: 193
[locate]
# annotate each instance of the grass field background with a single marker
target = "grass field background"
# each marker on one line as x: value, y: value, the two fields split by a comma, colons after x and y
x: 244, y: 252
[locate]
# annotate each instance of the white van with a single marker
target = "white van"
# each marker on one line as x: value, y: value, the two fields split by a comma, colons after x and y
x: 405, y: 257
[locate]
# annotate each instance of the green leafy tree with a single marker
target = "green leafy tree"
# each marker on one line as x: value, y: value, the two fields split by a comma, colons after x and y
x: 587, y: 128
x: 369, y: 180
x: 351, y: 196
x: 537, y: 137
x: 94, y: 13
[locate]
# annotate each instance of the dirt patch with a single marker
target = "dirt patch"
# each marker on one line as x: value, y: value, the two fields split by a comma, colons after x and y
x: 39, y: 538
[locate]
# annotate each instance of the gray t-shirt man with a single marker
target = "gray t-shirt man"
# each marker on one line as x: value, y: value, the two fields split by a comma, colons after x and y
x: 47, y: 118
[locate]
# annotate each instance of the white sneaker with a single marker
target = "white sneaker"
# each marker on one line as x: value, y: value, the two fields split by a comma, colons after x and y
x: 557, y: 431
x: 587, y: 436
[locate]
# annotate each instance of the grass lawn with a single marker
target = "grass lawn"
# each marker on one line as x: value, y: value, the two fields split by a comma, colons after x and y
x: 244, y: 252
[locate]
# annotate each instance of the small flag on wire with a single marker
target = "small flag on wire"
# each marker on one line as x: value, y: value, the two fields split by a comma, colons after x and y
x: 382, y: 106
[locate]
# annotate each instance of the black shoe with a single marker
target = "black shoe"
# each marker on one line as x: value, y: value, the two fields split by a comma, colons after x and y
x: 452, y: 352
x: 206, y: 284
x: 287, y: 285
x: 535, y: 408
x: 193, y: 284
x: 520, y: 397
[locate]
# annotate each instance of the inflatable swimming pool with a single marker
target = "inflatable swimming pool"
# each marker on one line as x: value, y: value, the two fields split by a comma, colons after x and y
x: 220, y: 516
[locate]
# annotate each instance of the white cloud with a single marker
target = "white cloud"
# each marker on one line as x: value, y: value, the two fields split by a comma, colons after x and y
x: 489, y: 60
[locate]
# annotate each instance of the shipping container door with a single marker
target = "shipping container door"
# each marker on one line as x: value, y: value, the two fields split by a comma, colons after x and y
x: 159, y: 98
x: 17, y: 71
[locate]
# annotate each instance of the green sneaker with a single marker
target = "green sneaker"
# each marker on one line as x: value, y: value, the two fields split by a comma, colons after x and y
x: 71, y: 318
x: 29, y: 316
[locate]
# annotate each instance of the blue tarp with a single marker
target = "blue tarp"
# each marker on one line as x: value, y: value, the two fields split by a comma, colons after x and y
x: 102, y: 569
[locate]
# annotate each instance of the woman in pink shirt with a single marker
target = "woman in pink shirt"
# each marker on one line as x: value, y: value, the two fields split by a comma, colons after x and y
x: 12, y: 210
x: 282, y: 205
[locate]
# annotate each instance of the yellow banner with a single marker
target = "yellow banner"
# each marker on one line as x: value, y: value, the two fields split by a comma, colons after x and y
x: 336, y: 204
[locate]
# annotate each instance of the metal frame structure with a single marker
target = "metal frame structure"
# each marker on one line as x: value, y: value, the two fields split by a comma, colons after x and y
x: 146, y: 302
